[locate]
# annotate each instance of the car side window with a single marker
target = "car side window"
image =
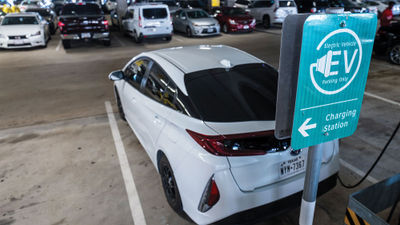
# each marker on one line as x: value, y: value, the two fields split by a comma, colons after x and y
x: 160, y: 88
x: 182, y: 14
x: 135, y: 72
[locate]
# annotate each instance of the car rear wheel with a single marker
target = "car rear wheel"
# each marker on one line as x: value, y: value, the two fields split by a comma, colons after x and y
x: 169, y: 185
x: 394, y: 54
x: 107, y: 42
x: 266, y: 22
x: 189, y: 32
x: 138, y: 39
x: 225, y: 28
x: 66, y: 44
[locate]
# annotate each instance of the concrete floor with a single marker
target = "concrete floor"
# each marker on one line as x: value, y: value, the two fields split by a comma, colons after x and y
x: 58, y: 162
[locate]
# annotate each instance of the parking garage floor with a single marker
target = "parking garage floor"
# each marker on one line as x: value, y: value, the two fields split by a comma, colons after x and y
x: 58, y: 160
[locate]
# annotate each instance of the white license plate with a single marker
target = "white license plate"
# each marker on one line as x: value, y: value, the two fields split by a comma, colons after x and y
x: 292, y: 166
x: 152, y: 29
x: 246, y: 27
x: 210, y: 30
x: 85, y: 35
x: 18, y: 42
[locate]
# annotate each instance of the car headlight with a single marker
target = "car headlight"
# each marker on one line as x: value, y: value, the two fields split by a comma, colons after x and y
x: 195, y: 24
x: 232, y: 21
x: 34, y: 34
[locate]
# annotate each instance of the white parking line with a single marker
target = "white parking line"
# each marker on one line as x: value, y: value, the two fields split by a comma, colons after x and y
x: 178, y: 39
x: 133, y: 197
x: 382, y: 98
x: 119, y: 40
x: 357, y: 171
x: 58, y: 46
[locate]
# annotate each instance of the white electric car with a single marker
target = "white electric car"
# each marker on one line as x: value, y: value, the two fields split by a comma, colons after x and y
x: 205, y: 116
x: 23, y: 30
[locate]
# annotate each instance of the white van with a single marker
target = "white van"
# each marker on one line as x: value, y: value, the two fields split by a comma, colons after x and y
x: 148, y: 20
x: 268, y: 12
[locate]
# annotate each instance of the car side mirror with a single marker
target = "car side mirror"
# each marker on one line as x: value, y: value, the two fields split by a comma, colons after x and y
x: 116, y: 75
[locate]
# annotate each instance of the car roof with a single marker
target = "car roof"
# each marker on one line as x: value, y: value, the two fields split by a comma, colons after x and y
x: 148, y: 5
x: 201, y: 57
x: 22, y: 14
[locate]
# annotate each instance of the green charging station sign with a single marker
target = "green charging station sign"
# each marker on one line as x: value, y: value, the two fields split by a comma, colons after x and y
x: 334, y: 62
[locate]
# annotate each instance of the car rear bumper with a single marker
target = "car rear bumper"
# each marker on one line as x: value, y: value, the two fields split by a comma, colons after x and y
x: 167, y: 35
x: 97, y: 36
x: 278, y: 207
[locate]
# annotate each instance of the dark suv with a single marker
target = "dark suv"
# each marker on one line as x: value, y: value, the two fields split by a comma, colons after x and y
x: 83, y: 21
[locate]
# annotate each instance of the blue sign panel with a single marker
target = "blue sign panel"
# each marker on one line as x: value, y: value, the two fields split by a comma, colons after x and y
x: 334, y: 62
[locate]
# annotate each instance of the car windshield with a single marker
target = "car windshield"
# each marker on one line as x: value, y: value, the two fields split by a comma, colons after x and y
x: 20, y: 20
x: 85, y: 9
x: 155, y: 13
x: 234, y: 11
x: 42, y: 12
x: 286, y: 4
x: 242, y: 93
x: 196, y: 14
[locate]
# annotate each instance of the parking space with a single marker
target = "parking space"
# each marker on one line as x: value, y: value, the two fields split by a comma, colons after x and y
x: 58, y: 158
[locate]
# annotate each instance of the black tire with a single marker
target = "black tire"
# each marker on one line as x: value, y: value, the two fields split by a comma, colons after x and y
x: 170, y: 187
x: 137, y: 39
x: 266, y: 22
x: 394, y: 54
x: 119, y: 105
x: 107, y: 43
x: 189, y: 32
x: 225, y: 29
x: 168, y: 38
x: 66, y: 44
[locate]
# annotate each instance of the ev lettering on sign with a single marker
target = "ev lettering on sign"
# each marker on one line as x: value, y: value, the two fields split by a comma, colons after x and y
x: 334, y: 63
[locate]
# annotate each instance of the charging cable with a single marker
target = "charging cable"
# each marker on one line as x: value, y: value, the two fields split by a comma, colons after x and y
x: 376, y: 161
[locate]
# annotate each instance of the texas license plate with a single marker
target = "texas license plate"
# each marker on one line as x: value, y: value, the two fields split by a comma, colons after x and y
x: 85, y: 35
x: 246, y: 27
x: 292, y: 166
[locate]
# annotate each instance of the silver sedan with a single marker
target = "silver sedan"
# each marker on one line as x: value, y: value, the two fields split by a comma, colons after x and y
x: 195, y: 22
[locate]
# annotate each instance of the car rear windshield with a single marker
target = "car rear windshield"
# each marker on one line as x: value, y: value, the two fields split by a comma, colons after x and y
x: 22, y: 20
x: 242, y: 93
x: 155, y: 13
x: 286, y: 4
x: 85, y: 9
x: 42, y: 12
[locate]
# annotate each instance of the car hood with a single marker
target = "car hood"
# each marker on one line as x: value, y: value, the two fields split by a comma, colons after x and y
x: 19, y: 29
x: 204, y: 21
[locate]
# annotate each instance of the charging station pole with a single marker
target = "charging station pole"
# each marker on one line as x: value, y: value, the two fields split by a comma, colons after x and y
x: 311, y: 181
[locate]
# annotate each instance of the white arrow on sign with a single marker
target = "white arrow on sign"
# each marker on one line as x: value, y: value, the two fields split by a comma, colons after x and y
x: 305, y: 126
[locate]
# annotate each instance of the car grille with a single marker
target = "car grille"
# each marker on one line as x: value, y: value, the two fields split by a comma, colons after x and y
x: 205, y: 31
x: 14, y: 45
x: 18, y: 37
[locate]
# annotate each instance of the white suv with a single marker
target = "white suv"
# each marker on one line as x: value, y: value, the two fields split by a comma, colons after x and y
x: 268, y: 12
x: 148, y: 20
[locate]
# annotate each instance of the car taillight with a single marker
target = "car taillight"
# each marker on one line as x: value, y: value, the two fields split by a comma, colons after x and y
x: 247, y: 144
x: 140, y: 21
x: 61, y: 25
x: 210, y: 196
x: 105, y: 23
x: 313, y: 10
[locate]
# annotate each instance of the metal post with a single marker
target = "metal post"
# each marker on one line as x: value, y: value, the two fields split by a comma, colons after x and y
x: 311, y: 181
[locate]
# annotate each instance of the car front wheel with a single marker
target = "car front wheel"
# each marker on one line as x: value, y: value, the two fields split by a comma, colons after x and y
x: 66, y: 44
x: 189, y: 32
